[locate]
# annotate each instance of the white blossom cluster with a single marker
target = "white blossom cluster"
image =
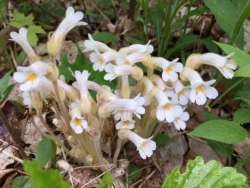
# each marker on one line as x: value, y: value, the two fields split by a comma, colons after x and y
x: 167, y: 87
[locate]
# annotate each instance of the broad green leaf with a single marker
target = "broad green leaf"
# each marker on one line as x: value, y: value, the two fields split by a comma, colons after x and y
x: 205, y: 175
x: 209, y: 115
x: 106, y: 37
x: 41, y: 178
x: 242, y: 115
x: 46, y: 151
x: 229, y: 16
x: 241, y: 58
x: 5, y: 87
x: 106, y: 181
x: 21, y: 182
x: 134, y: 173
x: 162, y: 139
x: 221, y: 148
x: 224, y: 131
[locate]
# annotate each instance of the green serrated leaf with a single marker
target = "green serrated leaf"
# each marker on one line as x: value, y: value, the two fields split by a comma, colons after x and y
x: 242, y: 116
x: 106, y: 181
x: 224, y: 131
x: 205, y: 175
x: 20, y: 20
x: 46, y: 151
x: 21, y: 182
x: 41, y: 178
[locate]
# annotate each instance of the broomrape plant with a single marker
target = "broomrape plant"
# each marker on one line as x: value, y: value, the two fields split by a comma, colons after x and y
x: 135, y: 109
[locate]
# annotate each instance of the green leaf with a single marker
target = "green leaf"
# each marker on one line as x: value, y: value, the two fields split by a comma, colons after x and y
x: 241, y: 58
x: 162, y: 139
x: 41, y: 178
x: 46, y: 151
x: 32, y: 34
x: 134, y: 173
x: 21, y: 182
x: 242, y: 116
x: 106, y: 37
x: 230, y: 16
x: 220, y: 148
x: 5, y: 87
x: 20, y: 20
x: 224, y: 131
x: 205, y: 175
x: 106, y: 181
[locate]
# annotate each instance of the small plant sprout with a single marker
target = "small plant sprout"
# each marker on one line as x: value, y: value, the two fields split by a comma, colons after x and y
x: 149, y: 89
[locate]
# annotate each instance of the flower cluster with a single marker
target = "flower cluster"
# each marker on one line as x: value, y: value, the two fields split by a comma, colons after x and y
x: 162, y: 89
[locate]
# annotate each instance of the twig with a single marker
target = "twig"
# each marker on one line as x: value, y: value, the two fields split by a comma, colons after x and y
x: 12, y: 156
x: 147, y: 178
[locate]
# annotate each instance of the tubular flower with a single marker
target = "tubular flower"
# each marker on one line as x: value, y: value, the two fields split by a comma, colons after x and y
x: 100, y: 60
x: 169, y: 69
x: 125, y: 124
x: 223, y: 63
x: 137, y: 48
x: 200, y: 90
x: 114, y: 71
x: 71, y: 20
x: 180, y: 121
x: 93, y: 45
x: 33, y: 77
x: 123, y: 107
x: 78, y: 123
x: 166, y: 110
x: 22, y: 39
x: 82, y: 85
x: 182, y: 93
x: 145, y: 146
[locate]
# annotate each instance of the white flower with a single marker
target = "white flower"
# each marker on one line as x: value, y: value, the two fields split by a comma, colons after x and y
x: 145, y: 146
x: 93, y: 45
x: 27, y: 101
x: 200, y: 91
x: 129, y: 59
x: 123, y: 115
x: 78, y: 124
x: 122, y: 105
x: 180, y: 121
x: 182, y: 93
x: 125, y: 124
x: 114, y: 71
x: 166, y: 109
x: 169, y: 68
x: 33, y: 77
x: 223, y: 63
x: 158, y: 82
x: 22, y: 40
x: 71, y: 20
x: 100, y: 60
x: 137, y: 48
